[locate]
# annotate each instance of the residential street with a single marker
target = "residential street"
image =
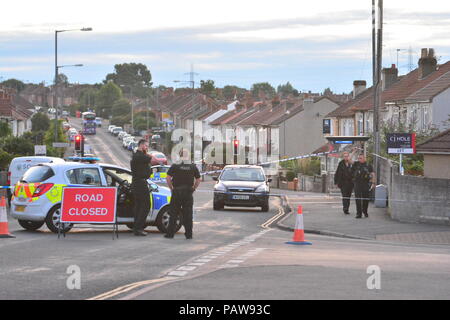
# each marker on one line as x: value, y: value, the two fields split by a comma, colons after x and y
x: 231, y: 257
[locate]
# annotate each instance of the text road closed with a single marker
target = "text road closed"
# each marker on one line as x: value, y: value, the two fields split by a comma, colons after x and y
x: 88, y: 205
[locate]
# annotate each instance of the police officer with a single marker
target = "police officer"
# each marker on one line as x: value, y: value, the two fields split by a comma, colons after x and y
x: 140, y: 169
x: 364, y: 180
x: 344, y: 180
x: 183, y: 179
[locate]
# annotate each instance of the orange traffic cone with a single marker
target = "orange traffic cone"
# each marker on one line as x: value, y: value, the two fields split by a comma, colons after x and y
x: 299, y: 232
x: 4, y: 233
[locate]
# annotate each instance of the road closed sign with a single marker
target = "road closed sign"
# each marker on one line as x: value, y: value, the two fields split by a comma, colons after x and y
x: 89, y: 205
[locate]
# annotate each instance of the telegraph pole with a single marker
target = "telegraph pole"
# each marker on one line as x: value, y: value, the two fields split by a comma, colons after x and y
x: 377, y: 62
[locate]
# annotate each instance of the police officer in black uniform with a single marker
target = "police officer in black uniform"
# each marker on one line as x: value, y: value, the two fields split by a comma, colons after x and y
x: 344, y: 180
x: 364, y: 179
x: 183, y: 179
x: 140, y: 169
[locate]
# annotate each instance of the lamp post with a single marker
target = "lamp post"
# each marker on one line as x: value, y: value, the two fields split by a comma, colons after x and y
x: 194, y: 114
x: 56, y: 74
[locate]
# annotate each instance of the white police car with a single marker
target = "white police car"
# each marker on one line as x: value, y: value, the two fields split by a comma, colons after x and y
x: 38, y: 194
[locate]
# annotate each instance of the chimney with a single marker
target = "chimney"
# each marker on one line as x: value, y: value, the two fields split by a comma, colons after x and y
x: 389, y: 76
x: 359, y: 86
x: 427, y: 63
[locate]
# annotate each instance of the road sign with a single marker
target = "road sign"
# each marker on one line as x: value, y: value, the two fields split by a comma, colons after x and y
x: 89, y: 205
x: 40, y: 150
x: 401, y: 143
x: 60, y: 145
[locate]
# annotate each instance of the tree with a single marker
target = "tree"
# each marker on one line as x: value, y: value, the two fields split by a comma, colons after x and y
x: 14, y: 84
x: 232, y: 92
x: 40, y: 122
x: 134, y: 75
x: 121, y: 107
x: 63, y: 79
x: 5, y: 130
x: 88, y: 97
x: 287, y: 89
x: 107, y: 95
x: 264, y: 87
x: 327, y: 92
x: 207, y: 87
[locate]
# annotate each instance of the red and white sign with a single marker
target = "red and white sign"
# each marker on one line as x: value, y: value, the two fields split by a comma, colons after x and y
x: 89, y: 205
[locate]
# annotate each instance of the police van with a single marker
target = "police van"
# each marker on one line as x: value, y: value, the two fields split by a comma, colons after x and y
x: 38, y: 194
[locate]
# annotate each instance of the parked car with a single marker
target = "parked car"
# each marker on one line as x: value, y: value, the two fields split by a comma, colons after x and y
x: 115, y: 131
x: 121, y: 135
x: 242, y: 186
x: 158, y: 158
x: 110, y: 127
x: 38, y: 194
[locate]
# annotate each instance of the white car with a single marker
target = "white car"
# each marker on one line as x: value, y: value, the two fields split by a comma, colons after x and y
x: 121, y: 134
x: 110, y: 127
x: 115, y: 131
x: 38, y: 195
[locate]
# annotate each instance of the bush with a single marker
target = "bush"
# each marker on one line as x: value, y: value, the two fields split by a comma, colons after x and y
x: 290, y: 176
x: 5, y: 159
x: 40, y: 122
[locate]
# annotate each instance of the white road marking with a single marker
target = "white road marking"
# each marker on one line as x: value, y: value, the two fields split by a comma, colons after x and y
x: 178, y: 273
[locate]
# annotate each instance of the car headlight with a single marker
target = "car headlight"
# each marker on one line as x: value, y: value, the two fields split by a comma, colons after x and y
x: 262, y: 188
x: 220, y: 187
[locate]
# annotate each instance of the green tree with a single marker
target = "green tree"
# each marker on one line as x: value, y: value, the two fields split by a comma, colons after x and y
x: 87, y: 98
x: 121, y: 107
x: 14, y: 84
x: 63, y: 79
x: 230, y: 92
x: 286, y: 89
x: 5, y: 130
x: 107, y: 95
x: 327, y: 92
x: 264, y: 87
x: 132, y: 76
x: 40, y: 122
x: 207, y: 87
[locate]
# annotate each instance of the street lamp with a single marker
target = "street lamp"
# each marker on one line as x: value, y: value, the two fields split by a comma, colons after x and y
x: 56, y: 72
x: 194, y: 114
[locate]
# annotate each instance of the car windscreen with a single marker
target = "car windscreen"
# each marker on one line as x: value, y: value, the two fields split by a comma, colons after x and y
x: 242, y: 174
x: 37, y: 174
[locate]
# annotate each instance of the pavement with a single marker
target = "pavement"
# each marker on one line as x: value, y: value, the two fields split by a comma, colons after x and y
x: 323, y: 215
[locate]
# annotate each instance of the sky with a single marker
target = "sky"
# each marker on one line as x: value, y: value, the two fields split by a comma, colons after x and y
x: 312, y: 44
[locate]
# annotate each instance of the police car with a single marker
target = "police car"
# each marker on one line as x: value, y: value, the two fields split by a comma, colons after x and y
x: 159, y: 173
x: 38, y: 194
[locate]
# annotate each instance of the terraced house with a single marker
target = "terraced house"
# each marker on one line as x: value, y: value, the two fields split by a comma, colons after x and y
x: 419, y: 100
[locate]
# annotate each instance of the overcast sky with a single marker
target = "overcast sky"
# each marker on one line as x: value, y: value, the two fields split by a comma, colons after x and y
x: 312, y: 44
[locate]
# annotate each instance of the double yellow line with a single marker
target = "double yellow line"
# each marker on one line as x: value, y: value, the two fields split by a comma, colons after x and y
x: 129, y: 287
x: 280, y: 213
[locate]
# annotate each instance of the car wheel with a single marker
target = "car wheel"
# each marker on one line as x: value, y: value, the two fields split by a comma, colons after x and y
x: 31, y: 225
x: 52, y: 220
x: 217, y: 206
x: 265, y: 208
x: 162, y: 221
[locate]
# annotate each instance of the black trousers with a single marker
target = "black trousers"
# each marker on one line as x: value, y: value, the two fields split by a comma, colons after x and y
x: 346, y: 190
x: 362, y: 195
x: 181, y: 204
x: 141, y: 196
